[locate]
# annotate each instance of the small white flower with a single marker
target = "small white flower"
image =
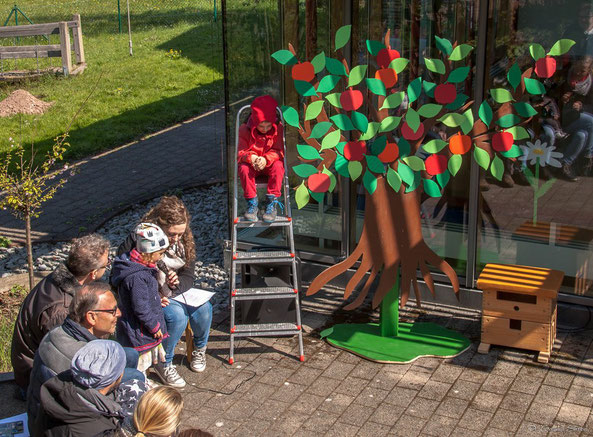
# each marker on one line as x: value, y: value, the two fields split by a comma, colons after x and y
x: 538, y: 151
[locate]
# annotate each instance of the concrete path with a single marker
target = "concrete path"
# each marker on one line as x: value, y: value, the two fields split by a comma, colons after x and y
x: 179, y: 157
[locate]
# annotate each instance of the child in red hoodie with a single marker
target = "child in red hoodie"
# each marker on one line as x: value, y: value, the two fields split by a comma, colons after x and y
x: 261, y: 152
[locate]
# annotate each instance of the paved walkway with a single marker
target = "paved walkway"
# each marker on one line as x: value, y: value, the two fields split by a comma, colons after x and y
x: 179, y: 157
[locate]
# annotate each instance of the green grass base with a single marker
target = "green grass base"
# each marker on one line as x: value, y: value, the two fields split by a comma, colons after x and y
x: 414, y: 340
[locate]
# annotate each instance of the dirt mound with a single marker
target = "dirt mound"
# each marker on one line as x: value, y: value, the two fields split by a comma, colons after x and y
x: 22, y: 102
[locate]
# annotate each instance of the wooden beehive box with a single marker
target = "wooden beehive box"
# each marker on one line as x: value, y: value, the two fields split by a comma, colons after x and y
x: 519, y: 307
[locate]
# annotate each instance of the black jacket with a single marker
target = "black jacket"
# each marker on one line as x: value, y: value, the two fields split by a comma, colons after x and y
x: 43, y: 309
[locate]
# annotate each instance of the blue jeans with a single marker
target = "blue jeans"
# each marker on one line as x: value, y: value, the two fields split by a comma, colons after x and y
x: 131, y: 371
x: 581, y: 138
x: 176, y: 316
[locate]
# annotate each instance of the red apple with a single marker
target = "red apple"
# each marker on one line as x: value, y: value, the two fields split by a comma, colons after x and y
x: 435, y: 164
x: 445, y: 93
x: 319, y: 182
x: 390, y: 153
x: 409, y: 134
x: 545, y: 67
x: 355, y: 150
x: 351, y: 100
x: 303, y: 71
x: 502, y: 141
x: 388, y: 76
x: 385, y: 56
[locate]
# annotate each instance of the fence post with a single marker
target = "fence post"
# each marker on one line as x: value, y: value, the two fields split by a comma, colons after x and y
x: 77, y: 36
x: 65, y: 48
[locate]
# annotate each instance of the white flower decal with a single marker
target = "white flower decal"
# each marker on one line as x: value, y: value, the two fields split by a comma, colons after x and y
x: 541, y: 152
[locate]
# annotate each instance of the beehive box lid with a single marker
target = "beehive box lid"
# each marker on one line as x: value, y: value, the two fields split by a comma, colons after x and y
x: 521, y: 279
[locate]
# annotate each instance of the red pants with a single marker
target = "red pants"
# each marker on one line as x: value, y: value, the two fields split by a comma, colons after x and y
x: 247, y: 175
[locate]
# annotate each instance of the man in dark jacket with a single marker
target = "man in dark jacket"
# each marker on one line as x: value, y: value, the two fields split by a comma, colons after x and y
x: 47, y: 304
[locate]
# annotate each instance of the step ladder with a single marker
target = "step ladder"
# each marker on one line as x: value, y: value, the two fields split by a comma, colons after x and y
x: 280, y: 256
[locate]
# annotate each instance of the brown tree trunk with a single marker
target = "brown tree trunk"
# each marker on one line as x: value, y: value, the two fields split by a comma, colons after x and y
x: 29, y: 249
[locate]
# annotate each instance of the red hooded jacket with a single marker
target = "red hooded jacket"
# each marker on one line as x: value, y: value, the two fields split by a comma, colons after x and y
x: 252, y: 142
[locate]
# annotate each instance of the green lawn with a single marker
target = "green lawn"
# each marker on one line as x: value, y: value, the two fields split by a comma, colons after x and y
x: 134, y: 95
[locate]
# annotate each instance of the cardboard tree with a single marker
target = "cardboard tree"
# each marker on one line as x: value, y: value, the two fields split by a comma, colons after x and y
x: 397, y: 160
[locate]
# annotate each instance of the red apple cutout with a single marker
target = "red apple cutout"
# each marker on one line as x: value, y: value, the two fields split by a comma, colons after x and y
x: 409, y: 134
x: 389, y: 154
x: 502, y: 141
x: 385, y: 56
x: 319, y: 182
x: 545, y: 67
x: 445, y: 93
x: 351, y: 100
x: 388, y: 76
x: 303, y: 71
x: 435, y: 164
x: 355, y: 150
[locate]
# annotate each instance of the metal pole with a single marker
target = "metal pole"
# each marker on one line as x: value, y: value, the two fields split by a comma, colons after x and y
x: 129, y: 29
x: 119, y: 15
x: 227, y: 101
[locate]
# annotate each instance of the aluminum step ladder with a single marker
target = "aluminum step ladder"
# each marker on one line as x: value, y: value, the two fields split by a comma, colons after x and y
x: 264, y: 257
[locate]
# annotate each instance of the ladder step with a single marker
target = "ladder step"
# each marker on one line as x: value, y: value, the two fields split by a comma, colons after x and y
x: 263, y: 293
x: 274, y: 256
x: 258, y: 329
x: 241, y: 222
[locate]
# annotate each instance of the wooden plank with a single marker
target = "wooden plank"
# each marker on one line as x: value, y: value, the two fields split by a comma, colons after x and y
x: 34, y: 29
x: 21, y: 52
x: 521, y: 279
x: 77, y: 38
x: 532, y: 336
x: 541, y: 312
x: 8, y: 49
x: 65, y: 44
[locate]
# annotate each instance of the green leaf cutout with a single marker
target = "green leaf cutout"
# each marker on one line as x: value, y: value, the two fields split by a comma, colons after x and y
x: 305, y: 89
x: 290, y: 115
x: 320, y: 129
x: 458, y: 75
x: 357, y: 74
x: 560, y: 47
x: 514, y: 76
x: 308, y: 152
x: 343, y: 36
x: 378, y: 145
x: 342, y: 121
x: 341, y: 165
x: 429, y: 88
x: 374, y: 47
x: 485, y: 113
x: 414, y: 162
x: 393, y: 100
x: 481, y: 157
x: 304, y: 170
x: 501, y: 95
x: 372, y: 129
x: 404, y: 147
x: 406, y: 173
x: 393, y: 179
x: 376, y: 86
x: 285, y: 57
x: 318, y: 197
x: 444, y: 45
x: 435, y: 65
x: 412, y: 119
x: 369, y: 181
x: 302, y: 195
x: 434, y: 146
x: 431, y: 188
x: 513, y: 152
x: 335, y: 67
x: 374, y: 164
x: 429, y: 110
x: 415, y: 89
x: 331, y: 139
x: 519, y: 133
x: 443, y: 178
x: 536, y: 51
x: 524, y: 109
x: 389, y: 123
x: 452, y: 119
x: 458, y: 102
x: 334, y: 100
x: 313, y: 110
x: 497, y: 168
x: 355, y: 169
x: 415, y: 183
x: 340, y: 147
x: 454, y: 164
x: 318, y: 62
x: 360, y: 121
x: 328, y: 83
x: 399, y: 64
x: 534, y: 86
x: 508, y: 120
x: 332, y: 179
x: 460, y: 52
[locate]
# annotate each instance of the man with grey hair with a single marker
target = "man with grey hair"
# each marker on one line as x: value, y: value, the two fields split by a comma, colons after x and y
x: 47, y: 304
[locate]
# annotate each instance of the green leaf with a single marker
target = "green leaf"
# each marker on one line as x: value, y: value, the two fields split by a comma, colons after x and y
x: 443, y: 178
x: 514, y: 76
x: 290, y: 115
x: 414, y: 89
x: 435, y: 65
x: 331, y: 139
x: 458, y: 102
x: 434, y: 146
x: 468, y: 124
x: 415, y: 183
x: 308, y: 152
x: 319, y: 197
x: 305, y: 89
x: 429, y: 110
x: 519, y: 133
x: 508, y: 120
x: 334, y: 100
x: 335, y: 67
x: 393, y: 179
x: 455, y: 164
x: 460, y: 52
x: 513, y: 152
x: 429, y: 88
x: 360, y: 121
x: 374, y: 164
x: 524, y: 109
x: 406, y: 173
x: 332, y: 179
x: 389, y: 123
x: 444, y: 45
x: 357, y: 74
x: 313, y: 110
x: 304, y: 170
x: 341, y: 165
x: 497, y: 168
x: 318, y: 62
x: 414, y: 162
x: 374, y: 47
x: 501, y: 95
x: 285, y: 57
x: 340, y: 147
x: 320, y: 129
x: 369, y: 181
x: 431, y: 188
x: 371, y: 131
x: 404, y: 147
x: 458, y: 75
x: 399, y: 64
x: 355, y: 169
x: 376, y: 86
x: 481, y: 157
x: 545, y: 187
x: 485, y: 113
x: 393, y: 100
x: 452, y: 119
x: 302, y: 195
x: 560, y: 47
x: 343, y: 36
x: 536, y: 51
x: 328, y: 83
x: 342, y: 121
x: 378, y: 145
x: 412, y: 119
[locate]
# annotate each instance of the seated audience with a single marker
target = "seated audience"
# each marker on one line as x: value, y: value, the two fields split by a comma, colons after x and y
x: 47, y: 304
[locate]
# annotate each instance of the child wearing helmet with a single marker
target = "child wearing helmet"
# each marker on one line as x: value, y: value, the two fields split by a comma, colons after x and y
x: 261, y: 152
x: 134, y: 274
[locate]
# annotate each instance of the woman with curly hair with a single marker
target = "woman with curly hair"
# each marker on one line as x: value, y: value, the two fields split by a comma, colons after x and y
x: 176, y: 275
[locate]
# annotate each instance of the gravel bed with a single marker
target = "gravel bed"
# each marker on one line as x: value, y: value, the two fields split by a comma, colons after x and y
x: 207, y: 207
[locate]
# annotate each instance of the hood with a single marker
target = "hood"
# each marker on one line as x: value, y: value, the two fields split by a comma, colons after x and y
x: 263, y: 108
x: 65, y: 280
x: 123, y: 267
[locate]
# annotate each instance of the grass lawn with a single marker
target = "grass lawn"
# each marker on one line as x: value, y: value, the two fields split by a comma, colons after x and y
x: 10, y: 303
x: 134, y: 95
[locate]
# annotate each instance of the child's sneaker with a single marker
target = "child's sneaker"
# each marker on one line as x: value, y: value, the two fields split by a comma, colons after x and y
x: 169, y: 375
x: 270, y: 212
x: 251, y: 212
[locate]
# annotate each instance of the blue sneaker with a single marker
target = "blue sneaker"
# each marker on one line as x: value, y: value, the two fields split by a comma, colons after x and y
x: 251, y: 212
x: 270, y: 213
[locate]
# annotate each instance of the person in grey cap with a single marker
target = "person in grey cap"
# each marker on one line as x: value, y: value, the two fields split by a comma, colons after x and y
x: 83, y: 401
